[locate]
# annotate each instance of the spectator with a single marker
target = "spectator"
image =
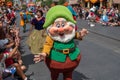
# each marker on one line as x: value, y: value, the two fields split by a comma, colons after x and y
x: 8, y: 53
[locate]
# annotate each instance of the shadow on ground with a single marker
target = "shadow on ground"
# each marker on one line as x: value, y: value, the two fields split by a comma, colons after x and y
x: 28, y: 59
x: 76, y: 76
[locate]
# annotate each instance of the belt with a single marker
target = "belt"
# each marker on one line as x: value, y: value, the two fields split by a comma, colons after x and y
x: 65, y: 51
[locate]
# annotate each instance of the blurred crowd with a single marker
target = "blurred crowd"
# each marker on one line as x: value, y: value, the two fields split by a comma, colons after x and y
x: 105, y: 16
x: 10, y: 56
x: 8, y: 16
x: 11, y: 64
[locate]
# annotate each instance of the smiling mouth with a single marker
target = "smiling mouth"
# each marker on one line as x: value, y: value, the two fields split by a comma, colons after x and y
x: 61, y: 34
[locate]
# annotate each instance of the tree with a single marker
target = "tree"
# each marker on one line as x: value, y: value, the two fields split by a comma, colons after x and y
x: 38, y: 0
x: 8, y: 0
x: 24, y: 7
x: 61, y: 2
x: 47, y: 2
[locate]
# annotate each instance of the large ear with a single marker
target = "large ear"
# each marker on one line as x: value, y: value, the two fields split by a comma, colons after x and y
x: 48, y: 28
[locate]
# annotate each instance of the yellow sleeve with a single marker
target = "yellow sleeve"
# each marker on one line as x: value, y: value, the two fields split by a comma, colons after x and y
x: 48, y: 45
x: 77, y: 36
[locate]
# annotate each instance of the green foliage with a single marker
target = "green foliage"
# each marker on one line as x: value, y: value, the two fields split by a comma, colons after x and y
x: 38, y: 0
x: 61, y: 2
x: 24, y: 6
x: 8, y: 0
x: 47, y: 2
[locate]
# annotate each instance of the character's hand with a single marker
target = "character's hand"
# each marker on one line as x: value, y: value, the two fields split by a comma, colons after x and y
x: 39, y: 57
x: 83, y: 32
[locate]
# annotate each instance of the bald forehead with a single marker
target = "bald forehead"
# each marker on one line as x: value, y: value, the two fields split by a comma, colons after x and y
x: 60, y: 19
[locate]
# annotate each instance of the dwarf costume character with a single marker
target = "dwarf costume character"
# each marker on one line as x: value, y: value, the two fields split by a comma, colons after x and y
x: 60, y: 52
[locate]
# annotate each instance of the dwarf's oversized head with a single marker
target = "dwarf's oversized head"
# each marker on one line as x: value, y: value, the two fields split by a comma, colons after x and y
x: 60, y: 24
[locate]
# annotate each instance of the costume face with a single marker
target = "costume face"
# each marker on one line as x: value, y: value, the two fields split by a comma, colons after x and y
x: 61, y: 30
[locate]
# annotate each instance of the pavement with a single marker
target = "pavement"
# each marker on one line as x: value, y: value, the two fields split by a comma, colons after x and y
x: 106, y: 31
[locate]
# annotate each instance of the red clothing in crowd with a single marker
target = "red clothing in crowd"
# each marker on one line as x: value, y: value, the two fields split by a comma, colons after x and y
x: 9, y: 61
x: 8, y: 16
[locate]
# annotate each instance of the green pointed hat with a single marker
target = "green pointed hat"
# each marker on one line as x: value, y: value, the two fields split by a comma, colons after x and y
x: 58, y: 12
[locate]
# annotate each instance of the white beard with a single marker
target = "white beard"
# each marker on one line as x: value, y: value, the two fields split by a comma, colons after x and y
x: 64, y: 39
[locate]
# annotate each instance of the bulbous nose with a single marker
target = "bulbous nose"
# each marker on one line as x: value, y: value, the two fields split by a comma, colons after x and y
x: 61, y: 30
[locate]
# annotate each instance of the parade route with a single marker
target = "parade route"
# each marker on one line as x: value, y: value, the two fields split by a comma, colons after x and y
x: 59, y: 40
x: 100, y: 58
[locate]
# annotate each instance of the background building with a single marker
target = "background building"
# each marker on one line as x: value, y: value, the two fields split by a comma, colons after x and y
x: 73, y: 1
x: 99, y: 3
x: 116, y: 3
